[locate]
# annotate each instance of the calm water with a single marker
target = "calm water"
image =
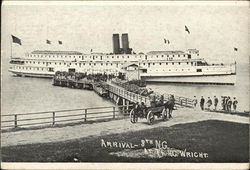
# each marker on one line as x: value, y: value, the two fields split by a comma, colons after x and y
x: 20, y: 95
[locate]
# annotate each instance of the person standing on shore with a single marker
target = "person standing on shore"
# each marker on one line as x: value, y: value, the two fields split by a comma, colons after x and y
x: 223, y: 103
x: 226, y: 103
x: 235, y: 102
x: 229, y: 104
x: 209, y: 103
x: 215, y: 102
x: 202, y: 101
x: 195, y: 101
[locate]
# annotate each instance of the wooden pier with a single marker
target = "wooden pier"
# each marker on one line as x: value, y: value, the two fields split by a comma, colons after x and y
x: 124, y: 97
x: 81, y: 84
x: 118, y: 94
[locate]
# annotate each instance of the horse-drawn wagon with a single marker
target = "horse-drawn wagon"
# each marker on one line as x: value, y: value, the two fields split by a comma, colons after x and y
x: 162, y: 110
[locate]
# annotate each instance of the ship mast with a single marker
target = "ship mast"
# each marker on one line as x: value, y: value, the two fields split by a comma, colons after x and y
x: 11, y: 49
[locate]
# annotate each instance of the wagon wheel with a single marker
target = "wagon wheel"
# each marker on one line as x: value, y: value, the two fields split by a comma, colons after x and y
x: 133, y: 116
x: 164, y: 114
x: 150, y: 117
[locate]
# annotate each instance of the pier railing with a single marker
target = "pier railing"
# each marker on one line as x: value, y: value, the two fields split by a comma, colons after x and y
x: 133, y: 97
x: 62, y: 116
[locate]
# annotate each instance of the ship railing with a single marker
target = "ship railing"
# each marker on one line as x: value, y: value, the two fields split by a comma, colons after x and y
x: 60, y: 117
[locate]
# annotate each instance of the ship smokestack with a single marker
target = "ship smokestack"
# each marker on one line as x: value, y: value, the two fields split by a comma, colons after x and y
x: 125, y: 44
x: 116, y: 44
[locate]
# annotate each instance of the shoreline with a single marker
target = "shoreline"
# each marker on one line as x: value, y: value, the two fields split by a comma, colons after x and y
x: 56, y: 134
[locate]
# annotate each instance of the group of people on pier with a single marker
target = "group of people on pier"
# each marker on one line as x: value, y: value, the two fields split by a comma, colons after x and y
x: 135, y: 86
x: 76, y: 76
x: 226, y: 103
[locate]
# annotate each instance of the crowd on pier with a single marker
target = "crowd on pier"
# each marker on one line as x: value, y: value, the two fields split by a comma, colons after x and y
x: 76, y: 76
x: 226, y: 103
x: 135, y: 86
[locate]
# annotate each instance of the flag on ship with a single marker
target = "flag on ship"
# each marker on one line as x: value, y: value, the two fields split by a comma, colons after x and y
x: 48, y: 41
x: 16, y: 40
x: 235, y: 49
x: 186, y: 29
x: 59, y: 42
x: 166, y: 41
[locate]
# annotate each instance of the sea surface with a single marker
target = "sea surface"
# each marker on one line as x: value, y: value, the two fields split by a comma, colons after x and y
x: 23, y: 94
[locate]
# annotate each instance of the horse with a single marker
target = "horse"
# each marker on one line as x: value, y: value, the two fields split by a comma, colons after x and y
x: 169, y: 105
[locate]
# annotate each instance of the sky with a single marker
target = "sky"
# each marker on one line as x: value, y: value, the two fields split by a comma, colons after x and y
x: 215, y: 28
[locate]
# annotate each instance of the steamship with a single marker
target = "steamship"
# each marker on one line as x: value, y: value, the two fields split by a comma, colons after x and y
x: 154, y: 66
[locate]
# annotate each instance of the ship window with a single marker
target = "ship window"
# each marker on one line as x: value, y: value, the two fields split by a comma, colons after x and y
x: 153, y: 63
x: 198, y: 70
x: 117, y: 56
x: 144, y: 64
x: 179, y: 63
x: 169, y: 69
x: 172, y: 63
x: 60, y: 63
x: 111, y: 64
x: 101, y: 64
x: 157, y: 56
x: 76, y: 64
x: 107, y: 64
x: 178, y: 55
x: 69, y: 63
x: 84, y: 64
x: 53, y: 56
x: 184, y: 55
x: 161, y: 55
x: 160, y: 63
x: 112, y: 56
x: 38, y: 62
x: 197, y: 54
x: 166, y: 63
x: 148, y: 64
x: 34, y: 62
x: 49, y: 56
x: 182, y: 69
x: 64, y: 63
x: 74, y: 56
x: 37, y: 68
x: 122, y: 56
x: 55, y: 63
x: 167, y: 55
x: 128, y: 56
x: 42, y: 68
x: 90, y: 64
x: 94, y: 64
x: 187, y: 62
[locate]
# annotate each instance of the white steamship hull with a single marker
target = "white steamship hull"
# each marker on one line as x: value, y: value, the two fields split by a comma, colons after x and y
x: 229, y: 79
